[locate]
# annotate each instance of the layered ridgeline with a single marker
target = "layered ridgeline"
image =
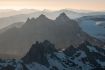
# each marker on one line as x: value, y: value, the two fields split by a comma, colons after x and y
x: 63, y: 32
x: 44, y: 56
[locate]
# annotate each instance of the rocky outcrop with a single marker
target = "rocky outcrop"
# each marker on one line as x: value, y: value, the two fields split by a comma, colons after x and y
x: 38, y: 53
x: 44, y: 56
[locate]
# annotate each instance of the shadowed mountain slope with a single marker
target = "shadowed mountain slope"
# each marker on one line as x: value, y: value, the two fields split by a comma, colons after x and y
x: 63, y: 32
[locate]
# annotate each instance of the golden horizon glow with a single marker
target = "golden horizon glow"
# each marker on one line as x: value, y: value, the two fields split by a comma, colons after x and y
x: 95, y: 5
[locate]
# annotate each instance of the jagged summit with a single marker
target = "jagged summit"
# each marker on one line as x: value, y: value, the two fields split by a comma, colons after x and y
x: 28, y: 20
x: 62, y: 16
x: 32, y: 20
x: 42, y: 17
x: 39, y: 51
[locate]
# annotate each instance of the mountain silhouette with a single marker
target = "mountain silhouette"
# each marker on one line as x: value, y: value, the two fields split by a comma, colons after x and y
x: 63, y: 32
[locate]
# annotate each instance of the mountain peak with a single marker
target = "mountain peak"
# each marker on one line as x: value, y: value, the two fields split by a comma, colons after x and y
x: 38, y: 52
x: 42, y: 17
x: 28, y: 20
x: 62, y: 16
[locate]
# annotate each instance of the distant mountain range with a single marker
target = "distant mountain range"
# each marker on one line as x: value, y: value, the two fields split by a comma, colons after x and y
x: 13, y: 16
x: 11, y: 12
x: 63, y: 32
x: 44, y: 56
x: 22, y: 16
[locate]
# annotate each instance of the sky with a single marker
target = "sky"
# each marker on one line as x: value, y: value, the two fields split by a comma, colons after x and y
x: 96, y: 5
